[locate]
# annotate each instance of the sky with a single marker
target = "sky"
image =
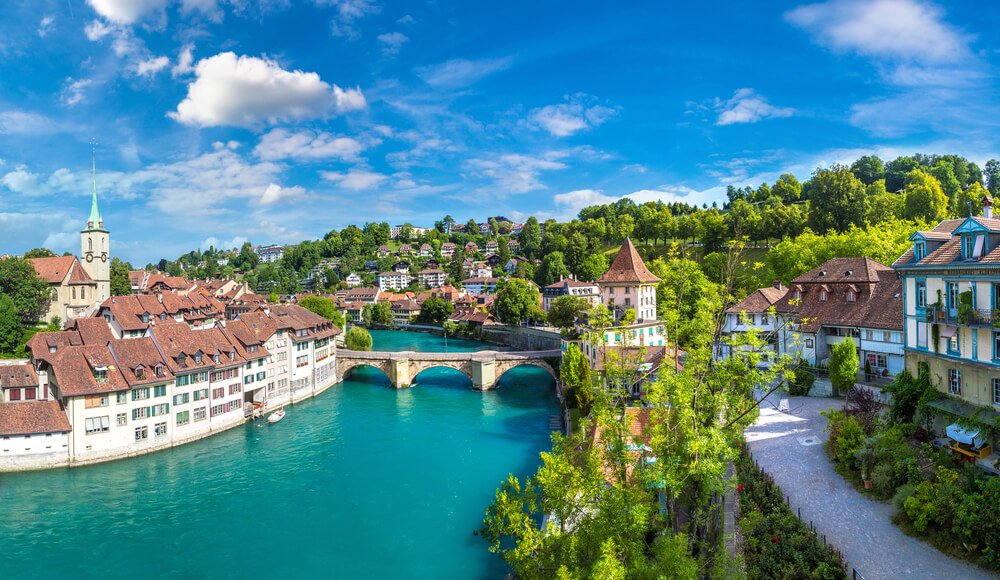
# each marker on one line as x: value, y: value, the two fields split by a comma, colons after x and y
x: 222, y: 121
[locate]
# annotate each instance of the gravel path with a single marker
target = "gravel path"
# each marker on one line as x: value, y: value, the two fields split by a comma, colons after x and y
x: 789, y: 447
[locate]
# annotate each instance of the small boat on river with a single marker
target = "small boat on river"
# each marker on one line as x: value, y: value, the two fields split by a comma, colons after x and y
x: 276, y: 416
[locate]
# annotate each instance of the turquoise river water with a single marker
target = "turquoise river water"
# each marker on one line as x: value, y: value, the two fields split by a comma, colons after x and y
x: 362, y: 481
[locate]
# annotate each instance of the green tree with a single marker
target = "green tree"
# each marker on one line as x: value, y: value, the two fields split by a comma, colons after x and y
x: 530, y: 238
x: 787, y: 188
x: 843, y: 366
x: 357, y: 338
x: 924, y: 198
x: 324, y: 307
x: 574, y: 371
x: 970, y: 201
x: 896, y: 172
x: 11, y: 328
x: 121, y: 285
x: 30, y: 293
x: 435, y: 310
x: 565, y: 310
x: 883, y: 205
x: 713, y: 231
x: 992, y: 175
x: 518, y: 301
x: 553, y: 269
x: 593, y: 267
x: 38, y: 253
x: 837, y: 199
x: 378, y: 314
x: 868, y: 169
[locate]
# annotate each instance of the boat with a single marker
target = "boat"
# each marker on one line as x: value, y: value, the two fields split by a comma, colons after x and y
x: 276, y: 416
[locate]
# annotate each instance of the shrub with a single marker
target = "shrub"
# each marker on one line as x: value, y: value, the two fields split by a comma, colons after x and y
x: 904, y: 492
x: 909, y: 394
x: 800, y: 382
x: 884, y: 479
x: 864, y: 407
x: 848, y: 439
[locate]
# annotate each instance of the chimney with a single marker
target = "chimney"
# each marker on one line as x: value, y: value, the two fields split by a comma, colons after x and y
x: 987, y: 206
x: 776, y: 284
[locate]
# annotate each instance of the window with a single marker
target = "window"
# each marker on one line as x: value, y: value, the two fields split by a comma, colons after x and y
x: 996, y: 346
x: 809, y: 343
x: 919, y: 251
x: 140, y: 413
x: 921, y: 294
x: 141, y: 433
x: 200, y: 394
x: 183, y: 418
x: 15, y: 394
x: 121, y: 398
x: 180, y: 399
x: 951, y: 295
x: 261, y: 375
x: 199, y: 414
x: 93, y: 401
x: 300, y: 346
x: 160, y: 429
x: 954, y: 381
x: 852, y: 296
x: 140, y: 373
x: 968, y: 243
x: 234, y: 388
x: 140, y: 394
x: 160, y: 391
x: 921, y: 335
x: 877, y: 361
x: 869, y: 335
x: 97, y: 425
x: 217, y: 410
x: 822, y: 295
x: 219, y: 376
x: 301, y: 361
x: 282, y: 356
x: 954, y: 346
x: 996, y: 391
x: 218, y: 393
x: 158, y: 410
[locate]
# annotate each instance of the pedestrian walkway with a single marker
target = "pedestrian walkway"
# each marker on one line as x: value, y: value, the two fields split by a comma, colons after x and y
x: 789, y: 446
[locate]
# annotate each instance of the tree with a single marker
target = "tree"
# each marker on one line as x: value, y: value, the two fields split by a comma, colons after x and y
x: 324, y: 307
x: 883, y: 205
x: 565, y: 310
x: 970, y: 201
x: 924, y: 198
x: 517, y: 302
x: 378, y: 314
x: 992, y: 175
x: 358, y: 338
x: 11, y: 328
x: 121, y: 285
x: 896, y: 172
x: 868, y: 169
x: 713, y: 231
x: 553, y: 269
x: 435, y: 310
x: 38, y: 253
x: 593, y: 267
x: 574, y: 371
x: 31, y: 294
x: 787, y: 188
x: 843, y: 365
x: 530, y: 238
x: 837, y: 199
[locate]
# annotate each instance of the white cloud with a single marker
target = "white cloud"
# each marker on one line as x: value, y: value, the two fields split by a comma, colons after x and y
x: 151, y: 66
x: 275, y: 193
x: 565, y: 119
x: 16, y: 122
x: 518, y: 173
x: 97, y: 30
x: 460, y: 72
x: 73, y: 92
x: 896, y: 29
x: 571, y: 202
x: 348, y: 11
x: 246, y: 91
x: 392, y: 42
x: 209, y: 8
x: 127, y: 11
x: 355, y: 179
x: 306, y: 145
x: 746, y: 106
x: 24, y: 182
x: 185, y: 60
x: 212, y: 241
x: 45, y: 26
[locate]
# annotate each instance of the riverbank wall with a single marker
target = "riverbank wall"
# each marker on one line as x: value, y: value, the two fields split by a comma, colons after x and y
x: 62, y: 459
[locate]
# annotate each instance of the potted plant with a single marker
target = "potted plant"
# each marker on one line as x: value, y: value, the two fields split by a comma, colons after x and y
x: 866, y: 456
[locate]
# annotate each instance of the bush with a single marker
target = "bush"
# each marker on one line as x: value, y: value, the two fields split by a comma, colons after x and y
x: 846, y: 436
x: 358, y: 338
x: 777, y: 544
x: 904, y: 492
x: 884, y: 479
x: 864, y: 407
x: 800, y: 382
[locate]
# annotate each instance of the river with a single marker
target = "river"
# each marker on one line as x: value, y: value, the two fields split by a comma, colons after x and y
x: 363, y: 481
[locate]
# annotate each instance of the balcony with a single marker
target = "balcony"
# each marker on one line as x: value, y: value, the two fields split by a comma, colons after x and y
x: 978, y: 318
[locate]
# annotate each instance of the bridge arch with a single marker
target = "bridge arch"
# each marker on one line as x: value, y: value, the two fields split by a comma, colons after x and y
x: 452, y: 369
x: 348, y: 368
x: 504, y: 366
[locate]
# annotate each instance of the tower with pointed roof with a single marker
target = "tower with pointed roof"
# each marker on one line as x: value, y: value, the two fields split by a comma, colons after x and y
x: 628, y: 283
x: 95, y: 245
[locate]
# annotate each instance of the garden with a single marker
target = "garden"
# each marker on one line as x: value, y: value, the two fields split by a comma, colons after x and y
x: 888, y: 454
x: 776, y: 543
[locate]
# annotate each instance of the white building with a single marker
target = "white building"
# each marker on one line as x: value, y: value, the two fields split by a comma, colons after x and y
x: 432, y: 278
x: 480, y: 285
x: 392, y: 281
x: 269, y: 254
x: 353, y: 280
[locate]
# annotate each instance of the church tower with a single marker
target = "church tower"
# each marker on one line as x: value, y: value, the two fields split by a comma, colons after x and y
x: 95, y: 249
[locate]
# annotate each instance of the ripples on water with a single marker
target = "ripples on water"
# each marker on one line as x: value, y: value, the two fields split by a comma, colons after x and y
x: 362, y: 481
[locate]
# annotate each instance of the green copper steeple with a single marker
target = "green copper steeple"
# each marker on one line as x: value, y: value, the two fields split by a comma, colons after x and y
x: 94, y: 222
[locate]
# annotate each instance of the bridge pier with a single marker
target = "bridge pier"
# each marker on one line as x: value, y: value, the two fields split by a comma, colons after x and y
x: 484, y: 374
x: 400, y: 373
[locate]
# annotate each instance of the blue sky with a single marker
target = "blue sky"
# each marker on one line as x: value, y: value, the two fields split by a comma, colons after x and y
x: 275, y: 121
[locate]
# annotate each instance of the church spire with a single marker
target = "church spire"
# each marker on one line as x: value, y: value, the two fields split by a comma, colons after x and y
x: 94, y: 221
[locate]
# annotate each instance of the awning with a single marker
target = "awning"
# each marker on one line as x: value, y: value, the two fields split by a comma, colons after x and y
x: 948, y: 331
x: 968, y: 435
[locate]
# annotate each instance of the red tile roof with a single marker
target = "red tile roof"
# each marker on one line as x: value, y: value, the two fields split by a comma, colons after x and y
x: 32, y: 417
x: 54, y: 269
x: 628, y: 267
x: 17, y: 376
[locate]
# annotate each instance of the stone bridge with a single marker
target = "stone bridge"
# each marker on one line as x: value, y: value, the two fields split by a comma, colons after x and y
x: 484, y: 368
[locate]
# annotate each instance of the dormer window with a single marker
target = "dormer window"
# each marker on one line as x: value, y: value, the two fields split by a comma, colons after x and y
x: 919, y: 251
x: 145, y: 317
x: 822, y: 295
x: 215, y: 358
x: 158, y: 371
x: 140, y: 372
x: 163, y: 316
x: 852, y: 296
x: 197, y: 358
x: 968, y: 247
x: 797, y: 295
